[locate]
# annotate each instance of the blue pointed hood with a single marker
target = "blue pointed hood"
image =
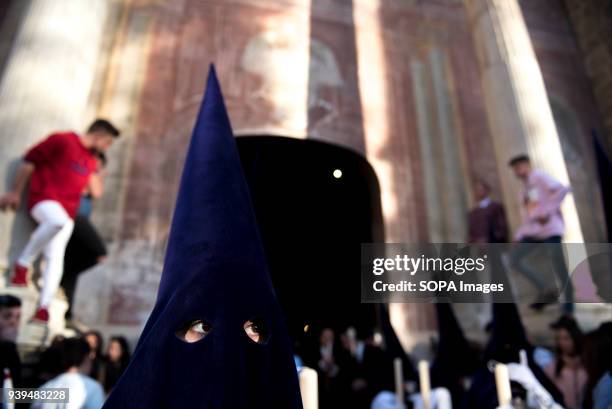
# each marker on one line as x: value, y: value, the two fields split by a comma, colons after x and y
x: 454, y: 356
x: 508, y: 337
x: 453, y: 348
x: 216, y: 338
x: 213, y: 223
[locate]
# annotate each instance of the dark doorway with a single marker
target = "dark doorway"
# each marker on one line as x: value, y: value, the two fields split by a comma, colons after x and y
x: 315, y: 204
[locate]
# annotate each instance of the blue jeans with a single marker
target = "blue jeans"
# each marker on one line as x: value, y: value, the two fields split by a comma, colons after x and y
x: 526, y: 247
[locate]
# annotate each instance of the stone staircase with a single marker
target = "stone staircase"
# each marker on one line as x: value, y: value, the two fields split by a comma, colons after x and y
x: 589, y: 317
x: 32, y: 335
x: 472, y: 317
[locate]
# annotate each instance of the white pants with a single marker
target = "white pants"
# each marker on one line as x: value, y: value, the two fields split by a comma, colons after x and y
x: 50, y: 237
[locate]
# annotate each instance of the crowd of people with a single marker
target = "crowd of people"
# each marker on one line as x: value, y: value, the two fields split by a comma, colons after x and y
x: 65, y: 173
x: 352, y: 367
x: 356, y: 367
x: 355, y: 364
x: 81, y: 363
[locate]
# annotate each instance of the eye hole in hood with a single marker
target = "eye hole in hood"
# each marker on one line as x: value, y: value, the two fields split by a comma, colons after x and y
x: 193, y: 331
x: 257, y: 330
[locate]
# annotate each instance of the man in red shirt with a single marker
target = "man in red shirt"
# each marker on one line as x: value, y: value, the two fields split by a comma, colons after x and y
x: 59, y: 168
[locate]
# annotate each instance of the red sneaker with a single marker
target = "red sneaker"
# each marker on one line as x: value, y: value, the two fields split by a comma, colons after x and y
x: 41, y: 316
x: 20, y: 276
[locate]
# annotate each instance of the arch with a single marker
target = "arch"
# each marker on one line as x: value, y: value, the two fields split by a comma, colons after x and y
x: 313, y: 220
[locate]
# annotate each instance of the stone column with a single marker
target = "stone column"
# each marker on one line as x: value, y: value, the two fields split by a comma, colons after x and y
x: 519, y: 112
x: 45, y: 86
x: 592, y: 23
x: 453, y: 180
x: 440, y: 147
x: 435, y: 212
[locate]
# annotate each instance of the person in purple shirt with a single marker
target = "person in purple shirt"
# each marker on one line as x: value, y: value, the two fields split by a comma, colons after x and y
x: 542, y: 222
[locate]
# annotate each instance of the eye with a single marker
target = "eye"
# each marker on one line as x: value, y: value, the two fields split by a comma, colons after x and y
x: 193, y: 331
x: 256, y: 330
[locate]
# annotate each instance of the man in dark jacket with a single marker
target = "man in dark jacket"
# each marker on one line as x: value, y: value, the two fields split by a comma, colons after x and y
x: 10, y: 315
x: 487, y: 220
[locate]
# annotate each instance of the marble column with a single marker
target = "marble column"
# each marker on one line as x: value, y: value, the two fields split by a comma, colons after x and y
x: 451, y: 168
x: 422, y: 99
x: 45, y: 87
x: 440, y: 142
x: 518, y: 108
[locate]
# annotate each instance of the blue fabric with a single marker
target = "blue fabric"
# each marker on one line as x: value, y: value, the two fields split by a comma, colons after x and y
x: 85, y: 206
x: 393, y: 346
x: 455, y: 358
x: 214, y: 271
x: 454, y: 355
x: 602, y: 394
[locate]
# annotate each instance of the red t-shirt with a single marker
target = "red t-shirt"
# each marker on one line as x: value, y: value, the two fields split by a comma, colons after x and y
x: 62, y: 169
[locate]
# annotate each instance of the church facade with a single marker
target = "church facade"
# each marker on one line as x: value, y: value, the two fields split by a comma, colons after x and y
x: 434, y: 94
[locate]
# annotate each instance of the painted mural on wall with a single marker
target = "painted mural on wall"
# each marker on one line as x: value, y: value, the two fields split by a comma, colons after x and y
x: 279, y: 59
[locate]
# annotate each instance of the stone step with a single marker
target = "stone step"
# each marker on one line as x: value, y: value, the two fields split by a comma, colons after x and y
x: 34, y: 335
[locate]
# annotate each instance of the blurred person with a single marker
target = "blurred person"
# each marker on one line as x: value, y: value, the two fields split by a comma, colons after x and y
x: 386, y: 400
x: 455, y: 359
x: 487, y: 220
x: 542, y: 356
x: 10, y: 316
x: 440, y: 399
x: 59, y: 169
x: 49, y: 363
x: 369, y: 370
x: 85, y: 248
x: 542, y: 222
x: 507, y: 337
x: 96, y: 347
x: 326, y: 358
x: 116, y: 361
x: 597, y: 356
x: 84, y: 392
x: 348, y: 340
x: 326, y: 353
x: 487, y: 224
x: 567, y: 371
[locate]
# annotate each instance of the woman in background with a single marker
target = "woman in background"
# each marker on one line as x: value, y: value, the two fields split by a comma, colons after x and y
x: 96, y: 346
x: 117, y: 360
x: 567, y: 371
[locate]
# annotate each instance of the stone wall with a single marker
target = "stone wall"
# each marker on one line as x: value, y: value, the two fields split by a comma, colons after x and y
x: 383, y: 81
x: 592, y: 24
x: 573, y: 105
x: 397, y: 81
